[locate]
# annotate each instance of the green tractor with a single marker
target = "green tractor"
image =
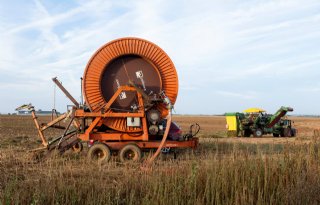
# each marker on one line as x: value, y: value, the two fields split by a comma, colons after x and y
x: 284, y: 129
x: 259, y: 123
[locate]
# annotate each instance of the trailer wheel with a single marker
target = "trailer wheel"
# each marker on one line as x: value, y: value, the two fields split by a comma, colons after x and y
x: 258, y: 132
x: 99, y: 152
x: 275, y: 135
x: 77, y: 148
x: 131, y: 153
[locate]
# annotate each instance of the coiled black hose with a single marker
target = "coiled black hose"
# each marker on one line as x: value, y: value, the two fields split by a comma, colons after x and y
x: 193, y: 131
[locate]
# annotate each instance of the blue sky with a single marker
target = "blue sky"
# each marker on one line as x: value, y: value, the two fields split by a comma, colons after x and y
x: 229, y: 55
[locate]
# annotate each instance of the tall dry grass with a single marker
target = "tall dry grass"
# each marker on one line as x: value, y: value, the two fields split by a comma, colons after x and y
x: 218, y: 173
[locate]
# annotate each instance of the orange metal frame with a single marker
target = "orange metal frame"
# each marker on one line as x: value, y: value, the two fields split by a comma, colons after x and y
x: 106, y: 113
x: 114, y: 139
x: 117, y: 139
x: 192, y: 143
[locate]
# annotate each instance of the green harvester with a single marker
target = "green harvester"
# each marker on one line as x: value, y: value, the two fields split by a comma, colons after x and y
x: 258, y: 123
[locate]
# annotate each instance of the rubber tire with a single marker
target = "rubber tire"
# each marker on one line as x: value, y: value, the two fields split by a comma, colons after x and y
x: 134, y: 149
x: 77, y: 148
x: 275, y: 135
x: 98, y: 149
x: 258, y: 132
x: 287, y: 132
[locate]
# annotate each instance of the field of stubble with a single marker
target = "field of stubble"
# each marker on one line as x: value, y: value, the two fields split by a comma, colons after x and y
x: 221, y: 171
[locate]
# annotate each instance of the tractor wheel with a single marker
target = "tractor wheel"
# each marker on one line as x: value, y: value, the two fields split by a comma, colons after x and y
x: 287, y: 132
x: 99, y: 152
x: 130, y: 153
x: 258, y: 132
x: 77, y: 148
x: 275, y: 135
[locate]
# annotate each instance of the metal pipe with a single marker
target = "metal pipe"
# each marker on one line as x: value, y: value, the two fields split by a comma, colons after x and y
x: 55, y: 80
x: 65, y: 131
x: 34, y: 117
x: 55, y: 121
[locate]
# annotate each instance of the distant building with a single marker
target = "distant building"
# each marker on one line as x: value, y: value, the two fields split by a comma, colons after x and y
x: 24, y: 112
x: 38, y: 112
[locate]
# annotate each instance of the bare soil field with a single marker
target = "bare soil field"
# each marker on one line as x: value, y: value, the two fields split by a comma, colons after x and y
x: 20, y: 130
x: 222, y: 170
x: 215, y: 126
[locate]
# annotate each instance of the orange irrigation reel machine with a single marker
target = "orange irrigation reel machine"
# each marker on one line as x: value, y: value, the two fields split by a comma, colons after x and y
x: 129, y: 86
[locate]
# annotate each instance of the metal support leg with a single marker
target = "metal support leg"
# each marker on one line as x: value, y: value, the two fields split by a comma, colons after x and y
x: 65, y: 131
x: 35, y: 119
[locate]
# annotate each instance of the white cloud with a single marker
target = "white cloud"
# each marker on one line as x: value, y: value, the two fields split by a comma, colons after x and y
x: 213, y: 44
x: 245, y: 95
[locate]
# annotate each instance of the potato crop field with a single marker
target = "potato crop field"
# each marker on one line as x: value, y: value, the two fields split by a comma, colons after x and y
x: 222, y: 170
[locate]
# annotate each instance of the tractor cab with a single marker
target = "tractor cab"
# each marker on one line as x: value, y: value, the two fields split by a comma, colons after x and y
x: 284, y: 128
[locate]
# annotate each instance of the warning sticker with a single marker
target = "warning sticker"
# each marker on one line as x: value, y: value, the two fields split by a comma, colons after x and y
x: 122, y: 95
x: 139, y: 74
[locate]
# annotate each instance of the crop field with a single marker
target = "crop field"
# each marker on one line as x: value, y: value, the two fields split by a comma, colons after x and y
x: 222, y: 170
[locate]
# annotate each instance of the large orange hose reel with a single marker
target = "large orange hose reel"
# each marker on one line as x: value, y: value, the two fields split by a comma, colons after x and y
x: 116, y: 64
x: 129, y: 86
